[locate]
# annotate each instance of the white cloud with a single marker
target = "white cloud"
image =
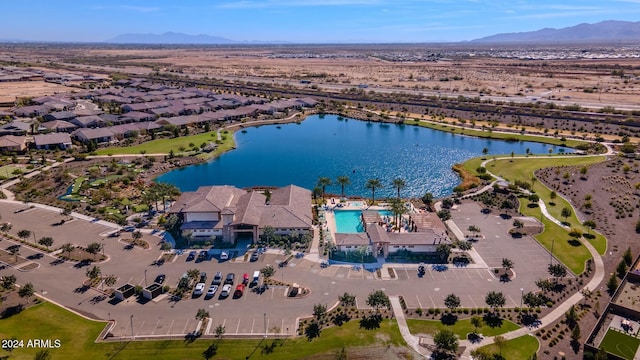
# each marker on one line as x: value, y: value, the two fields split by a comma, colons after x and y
x: 144, y: 9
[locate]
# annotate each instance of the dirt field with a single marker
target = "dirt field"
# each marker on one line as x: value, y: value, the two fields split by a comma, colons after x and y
x: 569, y: 80
x: 9, y: 91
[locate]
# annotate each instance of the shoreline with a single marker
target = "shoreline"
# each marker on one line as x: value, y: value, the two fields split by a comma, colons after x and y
x: 299, y: 117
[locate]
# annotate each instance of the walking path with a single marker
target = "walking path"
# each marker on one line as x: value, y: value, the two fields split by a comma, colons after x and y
x: 412, y: 340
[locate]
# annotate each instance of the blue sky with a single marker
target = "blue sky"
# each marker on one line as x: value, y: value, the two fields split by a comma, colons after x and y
x: 302, y: 21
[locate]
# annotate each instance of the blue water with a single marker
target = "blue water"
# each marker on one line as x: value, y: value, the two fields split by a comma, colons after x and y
x: 349, y: 221
x: 327, y: 147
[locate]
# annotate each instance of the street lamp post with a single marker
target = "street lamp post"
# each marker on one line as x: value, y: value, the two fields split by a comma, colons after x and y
x: 553, y: 241
x: 131, y: 327
x: 265, y: 325
x: 145, y: 277
x: 521, y: 297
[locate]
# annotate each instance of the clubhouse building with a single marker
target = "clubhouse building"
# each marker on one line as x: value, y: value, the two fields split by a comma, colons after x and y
x: 230, y: 213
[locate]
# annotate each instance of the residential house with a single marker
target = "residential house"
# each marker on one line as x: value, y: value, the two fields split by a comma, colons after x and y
x: 91, y: 121
x: 59, y: 115
x: 99, y: 135
x: 15, y: 128
x: 59, y: 126
x: 60, y: 141
x: 10, y: 143
x: 32, y: 111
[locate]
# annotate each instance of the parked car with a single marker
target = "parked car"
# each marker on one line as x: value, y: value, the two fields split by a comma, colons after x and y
x: 203, y: 277
x: 224, y: 256
x: 160, y: 279
x: 191, y: 256
x: 324, y: 264
x: 217, y: 279
x: 245, y: 278
x: 129, y: 228
x: 239, y: 291
x: 230, y: 278
x: 203, y: 255
x: 212, y: 291
x: 226, y: 290
x: 114, y: 234
x: 199, y: 289
x: 255, y: 279
x: 254, y: 257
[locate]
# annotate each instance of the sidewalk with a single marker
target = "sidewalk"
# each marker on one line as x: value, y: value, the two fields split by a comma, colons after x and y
x: 412, y: 340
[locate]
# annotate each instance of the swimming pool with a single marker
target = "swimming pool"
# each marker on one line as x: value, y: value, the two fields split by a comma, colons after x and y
x: 349, y: 221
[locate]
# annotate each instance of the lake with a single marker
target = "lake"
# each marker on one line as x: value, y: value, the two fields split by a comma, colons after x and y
x: 279, y: 155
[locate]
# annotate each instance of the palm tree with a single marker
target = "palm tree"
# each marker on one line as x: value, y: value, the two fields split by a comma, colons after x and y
x: 323, y: 182
x: 398, y: 209
x: 343, y: 181
x: 373, y: 184
x: 399, y: 184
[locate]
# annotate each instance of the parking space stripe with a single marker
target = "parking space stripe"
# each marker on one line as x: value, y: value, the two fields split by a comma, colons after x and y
x: 238, y: 327
x: 140, y: 328
x: 156, y: 327
x: 184, y: 330
x: 473, y: 302
x: 253, y: 323
x: 419, y: 304
x: 432, y: 302
x: 170, y: 326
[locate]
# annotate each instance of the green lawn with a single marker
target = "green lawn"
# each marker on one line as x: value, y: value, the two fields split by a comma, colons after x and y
x: 521, y: 348
x: 497, y: 135
x: 164, y: 146
x: 571, y: 253
x: 77, y: 335
x: 47, y: 321
x: 620, y: 344
x: 77, y: 183
x: 460, y: 328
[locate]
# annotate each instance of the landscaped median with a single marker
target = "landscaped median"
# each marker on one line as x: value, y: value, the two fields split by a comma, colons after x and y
x: 566, y: 248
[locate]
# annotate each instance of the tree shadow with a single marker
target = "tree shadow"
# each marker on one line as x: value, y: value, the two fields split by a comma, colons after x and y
x: 341, y: 318
x: 56, y: 262
x: 574, y: 242
x: 10, y: 311
x: 371, y: 322
x: 505, y: 278
x: 82, y: 263
x: 492, y: 320
x: 575, y: 346
x: 81, y: 289
x: 312, y: 331
x: 530, y: 320
x: 474, y: 338
x: 448, y: 319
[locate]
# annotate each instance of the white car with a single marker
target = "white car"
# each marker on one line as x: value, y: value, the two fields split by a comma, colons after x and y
x: 199, y: 290
x: 212, y: 291
x: 226, y: 290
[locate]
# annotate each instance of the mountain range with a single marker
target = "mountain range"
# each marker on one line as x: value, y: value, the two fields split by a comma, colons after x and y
x: 605, y: 31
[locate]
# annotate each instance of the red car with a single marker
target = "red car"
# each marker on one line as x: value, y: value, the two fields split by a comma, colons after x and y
x: 239, y: 291
x: 245, y: 278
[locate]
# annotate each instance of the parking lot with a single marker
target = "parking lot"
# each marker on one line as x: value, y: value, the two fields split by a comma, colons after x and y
x: 252, y: 312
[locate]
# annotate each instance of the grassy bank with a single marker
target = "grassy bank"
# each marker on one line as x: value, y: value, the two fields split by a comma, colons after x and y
x: 497, y: 135
x: 178, y: 145
x: 77, y: 336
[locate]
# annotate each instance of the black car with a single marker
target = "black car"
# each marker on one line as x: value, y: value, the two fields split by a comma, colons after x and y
x: 160, y: 279
x: 217, y: 279
x: 229, y: 279
x: 203, y: 255
x: 203, y: 277
x: 191, y: 256
x: 255, y: 256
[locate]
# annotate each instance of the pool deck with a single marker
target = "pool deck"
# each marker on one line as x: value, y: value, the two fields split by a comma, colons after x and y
x: 331, y: 205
